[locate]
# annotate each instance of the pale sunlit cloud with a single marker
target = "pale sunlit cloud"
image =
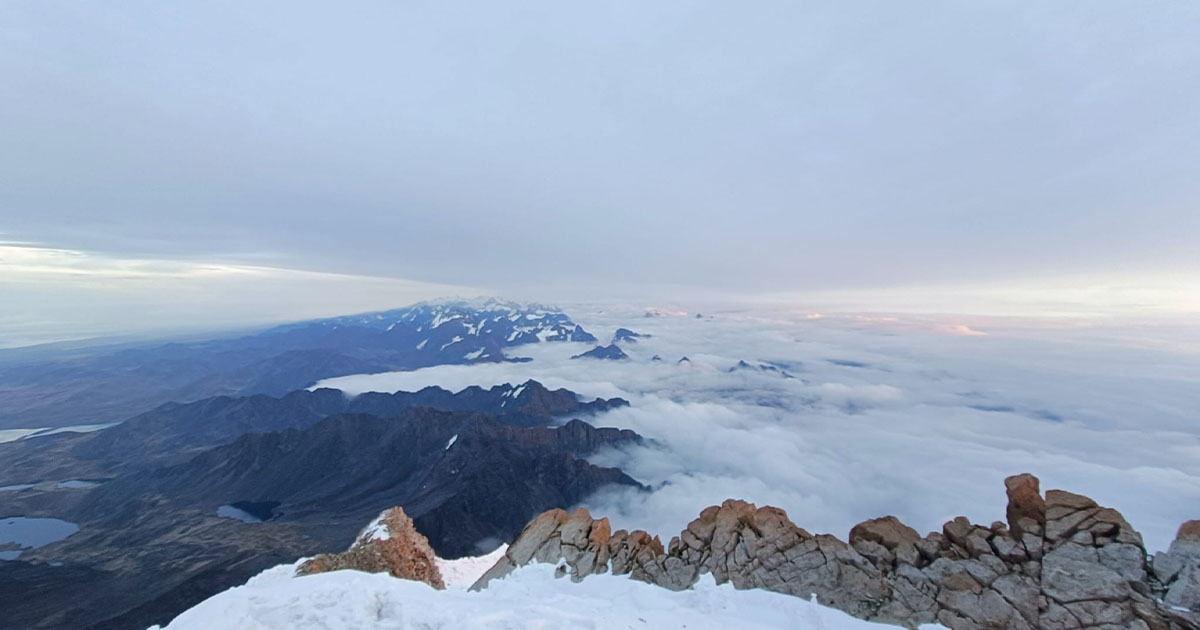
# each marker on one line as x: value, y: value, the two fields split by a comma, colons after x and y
x: 1064, y: 296
x: 61, y: 294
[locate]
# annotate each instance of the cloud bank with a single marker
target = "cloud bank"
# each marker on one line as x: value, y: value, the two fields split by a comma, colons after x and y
x: 898, y: 415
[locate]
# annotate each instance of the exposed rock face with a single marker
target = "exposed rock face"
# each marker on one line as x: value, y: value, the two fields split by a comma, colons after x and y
x: 1178, y: 570
x: 389, y: 544
x: 1061, y: 562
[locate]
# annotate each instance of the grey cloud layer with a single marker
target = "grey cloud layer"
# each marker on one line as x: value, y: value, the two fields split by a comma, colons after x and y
x: 781, y: 146
x: 906, y: 416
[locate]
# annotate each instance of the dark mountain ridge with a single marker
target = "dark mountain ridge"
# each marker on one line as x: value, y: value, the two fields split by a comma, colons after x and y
x: 108, y: 384
x: 611, y: 352
x: 349, y: 464
x: 316, y: 464
x: 174, y: 431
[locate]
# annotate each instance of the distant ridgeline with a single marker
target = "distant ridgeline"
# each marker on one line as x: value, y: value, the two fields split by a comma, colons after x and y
x: 175, y: 515
x: 111, y: 383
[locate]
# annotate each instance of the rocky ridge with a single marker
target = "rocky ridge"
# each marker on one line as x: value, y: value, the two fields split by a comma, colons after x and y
x: 1059, y: 562
x: 611, y: 352
x: 624, y: 335
x: 173, y: 433
x: 391, y: 544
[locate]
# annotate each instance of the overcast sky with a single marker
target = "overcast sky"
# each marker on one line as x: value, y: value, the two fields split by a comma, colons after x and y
x: 605, y: 149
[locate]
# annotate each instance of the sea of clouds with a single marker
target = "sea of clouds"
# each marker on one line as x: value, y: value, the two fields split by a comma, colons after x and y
x: 917, y: 416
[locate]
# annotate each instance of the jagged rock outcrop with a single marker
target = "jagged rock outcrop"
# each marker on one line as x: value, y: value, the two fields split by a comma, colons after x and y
x: 391, y: 544
x: 624, y: 335
x: 737, y: 542
x: 578, y: 334
x: 611, y: 352
x: 1178, y: 570
x: 1060, y: 562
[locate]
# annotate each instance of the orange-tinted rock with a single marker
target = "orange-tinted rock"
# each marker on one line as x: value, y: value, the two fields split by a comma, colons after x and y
x: 1024, y: 501
x: 390, y: 544
x: 887, y: 531
x: 886, y: 540
x: 535, y: 534
x: 1189, y: 531
x: 1062, y: 562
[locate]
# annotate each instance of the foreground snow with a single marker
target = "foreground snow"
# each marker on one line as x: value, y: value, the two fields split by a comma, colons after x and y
x: 462, y: 573
x: 529, y: 598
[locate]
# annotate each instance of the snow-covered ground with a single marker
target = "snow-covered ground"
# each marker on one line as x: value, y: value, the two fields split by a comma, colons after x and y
x: 529, y: 598
x: 462, y: 573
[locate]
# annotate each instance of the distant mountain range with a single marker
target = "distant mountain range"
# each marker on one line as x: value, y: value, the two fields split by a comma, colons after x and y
x: 222, y: 463
x: 111, y: 383
x: 174, y: 432
x: 470, y: 467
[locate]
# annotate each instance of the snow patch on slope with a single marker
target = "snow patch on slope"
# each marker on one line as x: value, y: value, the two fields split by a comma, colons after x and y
x: 463, y: 572
x: 376, y: 530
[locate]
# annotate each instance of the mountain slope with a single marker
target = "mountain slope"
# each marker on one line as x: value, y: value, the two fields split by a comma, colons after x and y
x: 151, y: 542
x: 109, y: 384
x: 174, y: 432
x: 467, y: 469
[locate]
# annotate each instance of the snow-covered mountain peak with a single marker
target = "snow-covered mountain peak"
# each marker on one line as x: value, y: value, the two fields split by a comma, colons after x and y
x: 489, y: 304
x: 448, y: 331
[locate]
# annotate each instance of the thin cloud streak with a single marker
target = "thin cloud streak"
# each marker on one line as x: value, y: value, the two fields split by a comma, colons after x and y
x: 59, y: 295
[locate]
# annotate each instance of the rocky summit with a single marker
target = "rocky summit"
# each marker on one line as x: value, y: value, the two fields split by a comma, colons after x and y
x: 1060, y: 562
x: 390, y: 544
